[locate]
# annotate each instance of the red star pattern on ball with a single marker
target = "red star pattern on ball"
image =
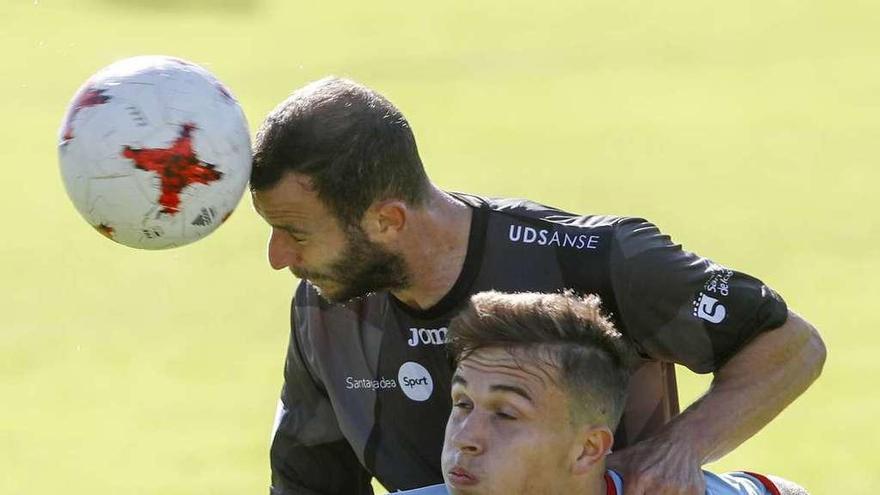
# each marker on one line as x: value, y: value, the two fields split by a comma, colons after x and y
x: 105, y: 230
x: 88, y: 98
x: 177, y: 166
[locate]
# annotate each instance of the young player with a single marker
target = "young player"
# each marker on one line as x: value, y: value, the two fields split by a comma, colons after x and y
x: 538, y: 390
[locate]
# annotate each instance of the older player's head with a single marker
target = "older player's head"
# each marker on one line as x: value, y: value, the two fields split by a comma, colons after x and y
x: 353, y: 145
x: 539, y: 387
x: 324, y: 157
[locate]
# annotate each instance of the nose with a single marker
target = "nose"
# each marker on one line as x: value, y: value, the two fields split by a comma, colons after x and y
x: 469, y: 434
x: 282, y: 250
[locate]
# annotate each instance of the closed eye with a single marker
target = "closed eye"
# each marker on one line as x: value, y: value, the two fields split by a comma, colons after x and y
x: 295, y: 234
x: 505, y: 416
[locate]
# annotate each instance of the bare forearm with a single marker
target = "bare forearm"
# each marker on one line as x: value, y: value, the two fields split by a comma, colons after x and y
x: 750, y: 390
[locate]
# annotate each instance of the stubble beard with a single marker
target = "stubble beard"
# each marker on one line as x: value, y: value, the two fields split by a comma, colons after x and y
x: 363, y: 268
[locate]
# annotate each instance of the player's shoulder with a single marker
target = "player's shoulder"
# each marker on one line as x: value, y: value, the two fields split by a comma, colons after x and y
x: 321, y: 329
x: 632, y: 234
x: 310, y: 312
x: 748, y: 483
x: 528, y: 210
x: 732, y: 483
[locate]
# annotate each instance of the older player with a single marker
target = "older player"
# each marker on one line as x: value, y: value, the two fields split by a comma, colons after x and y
x: 538, y: 390
x: 387, y: 258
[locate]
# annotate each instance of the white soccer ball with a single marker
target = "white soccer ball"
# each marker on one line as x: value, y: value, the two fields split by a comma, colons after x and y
x: 155, y: 152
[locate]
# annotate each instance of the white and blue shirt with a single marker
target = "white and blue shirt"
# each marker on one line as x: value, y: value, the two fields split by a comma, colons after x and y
x: 733, y: 483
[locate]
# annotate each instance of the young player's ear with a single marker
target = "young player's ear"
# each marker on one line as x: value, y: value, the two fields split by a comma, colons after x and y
x: 590, y: 451
x: 385, y: 219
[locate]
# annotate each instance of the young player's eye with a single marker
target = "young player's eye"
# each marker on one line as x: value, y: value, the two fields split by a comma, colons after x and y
x: 505, y: 415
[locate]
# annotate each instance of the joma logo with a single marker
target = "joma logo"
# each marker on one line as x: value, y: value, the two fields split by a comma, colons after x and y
x: 427, y: 336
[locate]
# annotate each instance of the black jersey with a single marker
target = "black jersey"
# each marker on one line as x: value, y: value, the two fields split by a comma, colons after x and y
x: 367, y: 383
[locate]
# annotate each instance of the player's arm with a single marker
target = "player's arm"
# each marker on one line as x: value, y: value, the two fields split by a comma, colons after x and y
x: 746, y: 393
x: 682, y: 308
x: 755, y: 385
x: 309, y: 454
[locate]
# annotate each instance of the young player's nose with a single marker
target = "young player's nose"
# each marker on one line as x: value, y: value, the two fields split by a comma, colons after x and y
x: 469, y: 435
x: 282, y: 251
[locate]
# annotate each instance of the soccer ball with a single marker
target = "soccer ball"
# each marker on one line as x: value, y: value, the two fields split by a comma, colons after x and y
x: 155, y: 152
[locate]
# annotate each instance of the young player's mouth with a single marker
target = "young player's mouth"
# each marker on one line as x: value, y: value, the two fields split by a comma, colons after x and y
x: 460, y: 477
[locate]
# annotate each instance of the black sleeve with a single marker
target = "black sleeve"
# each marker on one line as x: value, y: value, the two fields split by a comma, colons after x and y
x: 677, y: 306
x: 309, y: 454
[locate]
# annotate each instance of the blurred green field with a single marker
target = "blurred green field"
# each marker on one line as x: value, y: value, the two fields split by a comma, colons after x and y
x: 746, y: 130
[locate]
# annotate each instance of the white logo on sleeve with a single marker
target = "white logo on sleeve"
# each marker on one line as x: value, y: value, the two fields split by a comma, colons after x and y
x: 709, y: 309
x: 415, y: 381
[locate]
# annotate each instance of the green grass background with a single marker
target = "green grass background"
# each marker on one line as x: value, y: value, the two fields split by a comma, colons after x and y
x: 748, y: 130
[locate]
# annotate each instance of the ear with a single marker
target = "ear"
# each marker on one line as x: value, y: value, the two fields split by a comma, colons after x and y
x: 385, y: 219
x: 593, y: 445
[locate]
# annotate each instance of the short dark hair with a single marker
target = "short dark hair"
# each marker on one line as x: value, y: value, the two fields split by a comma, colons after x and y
x: 353, y: 144
x: 566, y: 331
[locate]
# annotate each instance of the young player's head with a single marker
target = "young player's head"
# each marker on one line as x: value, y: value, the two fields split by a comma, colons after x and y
x: 539, y: 386
x: 323, y: 158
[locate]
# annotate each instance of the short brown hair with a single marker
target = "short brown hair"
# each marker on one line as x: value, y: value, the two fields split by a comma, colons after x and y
x: 353, y: 144
x: 566, y: 331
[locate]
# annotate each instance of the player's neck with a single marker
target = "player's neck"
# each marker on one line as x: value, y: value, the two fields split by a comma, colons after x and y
x: 595, y: 483
x: 436, y: 251
x: 592, y: 483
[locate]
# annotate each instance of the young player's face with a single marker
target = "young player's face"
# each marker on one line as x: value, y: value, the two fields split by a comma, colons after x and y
x: 342, y: 263
x: 509, y: 431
